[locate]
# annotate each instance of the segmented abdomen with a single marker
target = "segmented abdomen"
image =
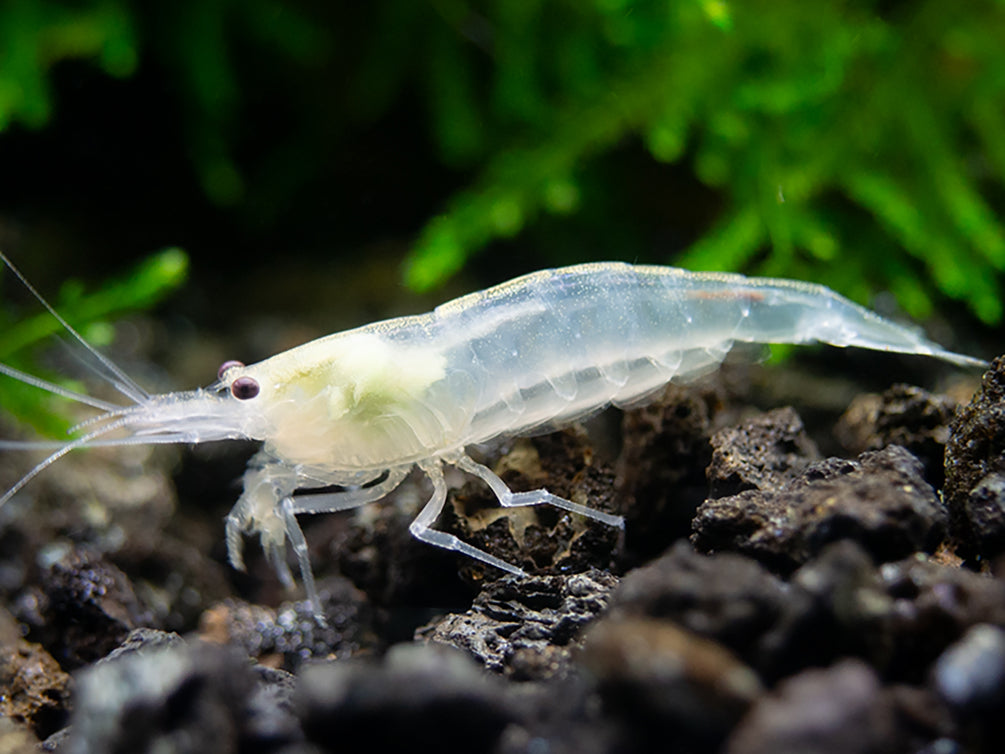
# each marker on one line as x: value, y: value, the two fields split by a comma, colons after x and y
x: 558, y: 344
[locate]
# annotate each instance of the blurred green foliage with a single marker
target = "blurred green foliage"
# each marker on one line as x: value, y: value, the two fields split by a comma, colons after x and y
x: 88, y: 312
x: 35, y: 36
x: 859, y: 143
x: 858, y: 147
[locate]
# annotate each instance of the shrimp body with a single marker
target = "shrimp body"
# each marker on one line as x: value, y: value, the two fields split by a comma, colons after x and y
x: 543, y: 349
x: 360, y: 409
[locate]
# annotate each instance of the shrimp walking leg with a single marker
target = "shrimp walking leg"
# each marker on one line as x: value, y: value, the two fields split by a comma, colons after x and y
x: 509, y: 499
x: 268, y: 507
x: 274, y: 546
x: 296, y: 537
x: 421, y: 529
x: 276, y: 555
x: 330, y: 502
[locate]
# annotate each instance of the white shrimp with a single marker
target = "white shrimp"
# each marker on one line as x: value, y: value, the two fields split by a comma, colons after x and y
x: 359, y: 409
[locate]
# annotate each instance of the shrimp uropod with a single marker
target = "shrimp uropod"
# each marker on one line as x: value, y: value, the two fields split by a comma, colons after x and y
x: 359, y: 409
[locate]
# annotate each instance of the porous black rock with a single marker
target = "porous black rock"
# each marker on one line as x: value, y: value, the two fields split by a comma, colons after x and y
x: 761, y: 453
x: 880, y: 500
x: 975, y: 454
x: 86, y: 607
x: 970, y: 675
x: 898, y: 616
x: 180, y: 698
x: 417, y: 698
x: 984, y: 509
x: 34, y: 690
x: 840, y: 709
x: 541, y: 538
x: 291, y: 632
x: 661, y: 469
x: 903, y: 415
x: 667, y: 682
x: 728, y: 598
x: 525, y: 628
x: 145, y: 641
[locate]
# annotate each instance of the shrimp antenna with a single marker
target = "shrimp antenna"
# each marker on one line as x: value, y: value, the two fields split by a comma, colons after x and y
x: 123, y: 382
x: 51, y: 387
x: 63, y: 450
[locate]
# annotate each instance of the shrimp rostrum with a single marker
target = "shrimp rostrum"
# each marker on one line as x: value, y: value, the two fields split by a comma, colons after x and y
x: 359, y: 409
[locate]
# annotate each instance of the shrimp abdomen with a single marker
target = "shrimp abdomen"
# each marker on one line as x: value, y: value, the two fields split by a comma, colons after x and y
x: 558, y: 344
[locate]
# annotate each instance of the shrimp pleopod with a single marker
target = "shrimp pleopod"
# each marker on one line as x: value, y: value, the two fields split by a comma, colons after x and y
x: 359, y: 409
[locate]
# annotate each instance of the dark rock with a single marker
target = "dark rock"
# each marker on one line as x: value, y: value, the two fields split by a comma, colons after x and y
x: 56, y: 742
x: 290, y: 633
x: 270, y: 722
x: 666, y: 681
x: 145, y: 641
x: 172, y: 571
x: 880, y: 500
x: 418, y: 698
x: 728, y: 598
x: 393, y: 568
x: 525, y: 628
x: 377, y: 552
x: 899, y: 617
x: 34, y: 690
x: 828, y: 610
x: 185, y: 698
x: 984, y: 508
x: 119, y: 505
x: 970, y: 675
x: 840, y: 709
x: 924, y: 722
x: 975, y: 451
x: 933, y: 605
x: 761, y: 453
x: 87, y: 607
x: 903, y: 415
x: 16, y: 737
x: 661, y: 469
x: 843, y: 610
x: 540, y: 538
x: 562, y: 716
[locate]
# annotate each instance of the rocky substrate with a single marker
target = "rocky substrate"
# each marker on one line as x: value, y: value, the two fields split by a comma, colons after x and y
x: 763, y: 598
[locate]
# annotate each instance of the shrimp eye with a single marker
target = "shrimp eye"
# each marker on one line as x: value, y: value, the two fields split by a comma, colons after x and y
x: 227, y: 365
x: 244, y: 388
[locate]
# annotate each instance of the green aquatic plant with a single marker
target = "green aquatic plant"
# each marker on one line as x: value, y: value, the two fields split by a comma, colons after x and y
x: 195, y: 41
x: 859, y: 143
x: 36, y: 36
x: 90, y: 313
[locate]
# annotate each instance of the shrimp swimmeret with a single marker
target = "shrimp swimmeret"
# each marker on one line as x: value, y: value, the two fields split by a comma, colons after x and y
x: 359, y: 409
